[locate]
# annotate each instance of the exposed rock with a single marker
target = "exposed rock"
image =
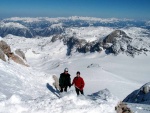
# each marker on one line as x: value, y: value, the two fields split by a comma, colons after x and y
x: 122, y: 108
x: 120, y: 42
x: 104, y: 95
x: 81, y: 45
x: 72, y: 42
x: 93, y: 65
x: 56, y: 37
x: 116, y: 35
x: 56, y: 82
x: 17, y: 59
x: 5, y: 47
x: 2, y: 55
x: 141, y: 95
x: 20, y: 53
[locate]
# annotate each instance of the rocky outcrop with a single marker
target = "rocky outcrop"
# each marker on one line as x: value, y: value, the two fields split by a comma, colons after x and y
x: 20, y: 53
x: 120, y: 42
x: 5, y: 47
x: 6, y: 50
x: 117, y: 35
x: 17, y: 59
x: 122, y: 108
x: 116, y: 42
x: 81, y: 45
x: 56, y: 82
x: 56, y: 37
x: 141, y: 95
x: 2, y: 55
x: 90, y: 47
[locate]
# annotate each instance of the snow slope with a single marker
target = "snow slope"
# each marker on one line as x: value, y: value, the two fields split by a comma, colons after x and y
x: 24, y: 90
x: 89, y: 33
x: 30, y: 90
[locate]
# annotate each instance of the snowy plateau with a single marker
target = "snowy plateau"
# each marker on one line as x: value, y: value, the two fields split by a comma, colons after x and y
x: 113, y: 56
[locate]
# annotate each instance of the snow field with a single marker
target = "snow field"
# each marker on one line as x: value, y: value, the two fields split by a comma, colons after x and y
x: 30, y: 89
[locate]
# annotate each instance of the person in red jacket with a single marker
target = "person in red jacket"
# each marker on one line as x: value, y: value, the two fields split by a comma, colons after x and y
x: 78, y: 82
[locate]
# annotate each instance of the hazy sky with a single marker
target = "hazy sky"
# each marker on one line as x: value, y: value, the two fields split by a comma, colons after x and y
x: 135, y: 9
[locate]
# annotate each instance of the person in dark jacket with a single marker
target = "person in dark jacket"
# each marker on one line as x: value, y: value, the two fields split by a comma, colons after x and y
x: 78, y: 82
x: 64, y: 80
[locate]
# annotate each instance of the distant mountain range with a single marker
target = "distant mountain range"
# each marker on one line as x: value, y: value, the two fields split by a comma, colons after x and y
x: 44, y: 27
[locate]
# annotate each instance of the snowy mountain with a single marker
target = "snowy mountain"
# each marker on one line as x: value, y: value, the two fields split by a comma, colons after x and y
x: 109, y: 78
x: 52, y: 26
x: 14, y: 29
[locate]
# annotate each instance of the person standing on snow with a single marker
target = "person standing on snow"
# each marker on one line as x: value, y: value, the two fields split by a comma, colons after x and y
x: 64, y: 80
x: 78, y: 82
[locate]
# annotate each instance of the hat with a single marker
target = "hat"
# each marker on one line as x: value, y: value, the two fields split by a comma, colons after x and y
x: 66, y: 69
x: 78, y: 72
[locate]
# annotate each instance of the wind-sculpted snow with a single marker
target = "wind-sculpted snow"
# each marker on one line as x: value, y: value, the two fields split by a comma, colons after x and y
x: 24, y: 90
x: 69, y: 103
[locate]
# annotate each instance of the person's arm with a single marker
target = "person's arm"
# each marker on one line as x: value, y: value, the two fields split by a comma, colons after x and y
x: 82, y: 84
x: 72, y: 82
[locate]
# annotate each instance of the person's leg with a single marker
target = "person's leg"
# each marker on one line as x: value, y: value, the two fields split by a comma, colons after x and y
x: 77, y: 91
x: 81, y: 91
x: 65, y: 88
x: 61, y: 89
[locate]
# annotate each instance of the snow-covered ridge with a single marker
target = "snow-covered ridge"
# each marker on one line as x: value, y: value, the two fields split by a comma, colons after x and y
x: 41, y: 26
x: 89, y: 33
x: 12, y: 25
x: 73, y: 18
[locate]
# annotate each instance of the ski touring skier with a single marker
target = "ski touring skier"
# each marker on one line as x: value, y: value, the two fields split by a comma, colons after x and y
x: 64, y: 80
x: 78, y: 82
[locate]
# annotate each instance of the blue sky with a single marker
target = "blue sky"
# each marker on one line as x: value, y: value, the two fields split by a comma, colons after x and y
x: 135, y: 9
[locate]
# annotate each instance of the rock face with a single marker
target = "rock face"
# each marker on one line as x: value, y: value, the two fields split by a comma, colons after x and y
x: 5, y: 47
x: 56, y: 37
x: 2, y: 55
x: 141, y: 95
x: 81, y: 45
x: 6, y: 50
x: 116, y: 35
x: 20, y: 53
x: 122, y: 108
x: 116, y: 42
x: 123, y: 43
x: 119, y: 40
x: 16, y: 59
x: 56, y: 82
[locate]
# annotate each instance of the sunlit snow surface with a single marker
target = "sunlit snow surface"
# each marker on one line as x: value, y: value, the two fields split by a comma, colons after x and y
x: 30, y: 89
